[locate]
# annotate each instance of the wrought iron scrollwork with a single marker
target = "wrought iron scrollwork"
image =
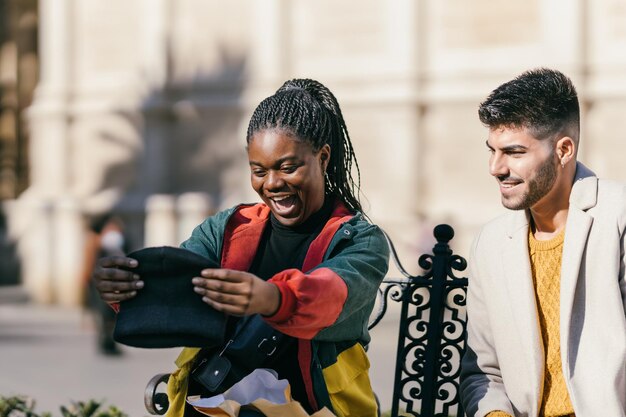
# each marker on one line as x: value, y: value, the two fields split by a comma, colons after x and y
x: 432, y: 333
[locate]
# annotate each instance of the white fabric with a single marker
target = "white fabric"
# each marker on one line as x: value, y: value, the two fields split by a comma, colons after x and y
x: 261, y: 383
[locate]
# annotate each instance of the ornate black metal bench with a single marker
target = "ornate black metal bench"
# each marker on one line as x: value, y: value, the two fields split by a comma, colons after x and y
x: 431, y: 338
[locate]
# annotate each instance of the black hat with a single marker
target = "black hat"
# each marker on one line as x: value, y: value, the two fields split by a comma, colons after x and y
x: 167, y: 312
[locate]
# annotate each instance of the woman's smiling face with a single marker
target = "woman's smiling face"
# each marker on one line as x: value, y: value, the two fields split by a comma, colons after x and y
x: 287, y: 174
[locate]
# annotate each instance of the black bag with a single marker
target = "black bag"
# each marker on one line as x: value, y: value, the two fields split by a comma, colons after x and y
x: 211, y: 373
x: 254, y: 344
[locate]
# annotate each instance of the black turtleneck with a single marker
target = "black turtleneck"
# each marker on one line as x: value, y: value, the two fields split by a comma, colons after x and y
x: 285, y: 247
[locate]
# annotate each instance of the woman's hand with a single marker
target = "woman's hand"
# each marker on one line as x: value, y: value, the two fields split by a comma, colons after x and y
x: 114, y: 284
x: 236, y: 292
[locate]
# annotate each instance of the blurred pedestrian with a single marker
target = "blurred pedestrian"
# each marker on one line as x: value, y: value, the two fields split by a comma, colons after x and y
x: 105, y: 237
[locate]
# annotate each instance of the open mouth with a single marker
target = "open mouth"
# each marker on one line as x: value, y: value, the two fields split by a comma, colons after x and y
x: 284, y: 205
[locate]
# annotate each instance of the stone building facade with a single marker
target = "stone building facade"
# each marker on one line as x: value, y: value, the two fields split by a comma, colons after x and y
x: 142, y: 106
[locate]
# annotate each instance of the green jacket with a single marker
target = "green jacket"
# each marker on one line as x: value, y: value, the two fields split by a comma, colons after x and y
x: 326, y: 305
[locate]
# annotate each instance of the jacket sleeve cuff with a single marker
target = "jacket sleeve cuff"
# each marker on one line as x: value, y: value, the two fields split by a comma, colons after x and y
x: 287, y: 303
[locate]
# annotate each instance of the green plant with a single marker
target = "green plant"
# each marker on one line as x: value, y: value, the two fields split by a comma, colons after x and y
x: 19, y: 406
x: 22, y: 406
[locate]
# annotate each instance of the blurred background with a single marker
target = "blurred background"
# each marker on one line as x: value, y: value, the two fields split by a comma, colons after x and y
x: 138, y: 108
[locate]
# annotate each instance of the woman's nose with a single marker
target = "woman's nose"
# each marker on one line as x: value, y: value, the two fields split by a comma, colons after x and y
x: 274, y: 181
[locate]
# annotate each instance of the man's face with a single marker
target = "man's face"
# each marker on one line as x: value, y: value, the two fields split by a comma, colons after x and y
x: 524, y: 166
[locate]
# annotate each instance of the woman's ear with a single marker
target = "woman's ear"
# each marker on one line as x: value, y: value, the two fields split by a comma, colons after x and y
x: 324, y: 155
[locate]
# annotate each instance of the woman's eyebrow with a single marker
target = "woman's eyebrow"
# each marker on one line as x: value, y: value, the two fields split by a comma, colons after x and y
x: 290, y: 158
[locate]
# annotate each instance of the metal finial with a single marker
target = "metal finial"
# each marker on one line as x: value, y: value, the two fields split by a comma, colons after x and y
x: 444, y: 233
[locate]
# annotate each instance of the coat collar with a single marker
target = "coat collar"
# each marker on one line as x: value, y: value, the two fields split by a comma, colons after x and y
x: 245, y: 228
x: 584, y: 193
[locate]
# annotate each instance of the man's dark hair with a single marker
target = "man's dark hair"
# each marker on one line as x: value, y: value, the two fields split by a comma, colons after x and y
x: 542, y: 100
x: 308, y: 111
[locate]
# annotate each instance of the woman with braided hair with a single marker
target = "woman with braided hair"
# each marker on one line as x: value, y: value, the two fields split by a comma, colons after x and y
x: 305, y: 261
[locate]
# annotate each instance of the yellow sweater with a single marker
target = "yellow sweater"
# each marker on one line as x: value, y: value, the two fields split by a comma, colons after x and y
x: 545, y: 260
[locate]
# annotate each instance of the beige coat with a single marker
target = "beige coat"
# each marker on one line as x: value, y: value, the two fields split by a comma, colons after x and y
x: 504, y: 364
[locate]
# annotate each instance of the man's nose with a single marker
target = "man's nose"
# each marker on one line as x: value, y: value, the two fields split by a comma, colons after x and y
x: 497, y: 166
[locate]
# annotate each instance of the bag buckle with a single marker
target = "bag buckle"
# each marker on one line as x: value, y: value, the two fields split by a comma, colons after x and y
x: 272, y: 345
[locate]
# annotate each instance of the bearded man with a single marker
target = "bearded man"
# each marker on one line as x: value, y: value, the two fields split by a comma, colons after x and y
x: 547, y: 296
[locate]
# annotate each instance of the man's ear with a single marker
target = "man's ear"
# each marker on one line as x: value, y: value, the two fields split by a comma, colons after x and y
x: 566, y: 150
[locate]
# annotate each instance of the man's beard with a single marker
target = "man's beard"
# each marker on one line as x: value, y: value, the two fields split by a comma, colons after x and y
x: 538, y: 187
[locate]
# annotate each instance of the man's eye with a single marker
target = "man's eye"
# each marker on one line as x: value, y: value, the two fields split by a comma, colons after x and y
x: 289, y: 168
x: 258, y: 172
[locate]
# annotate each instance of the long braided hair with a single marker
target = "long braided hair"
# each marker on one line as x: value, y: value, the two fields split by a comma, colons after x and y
x: 308, y: 110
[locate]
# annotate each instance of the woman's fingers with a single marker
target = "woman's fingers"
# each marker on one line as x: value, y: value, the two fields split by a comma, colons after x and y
x: 237, y: 292
x: 218, y: 286
x: 114, y: 274
x: 117, y: 262
x: 117, y: 297
x: 116, y: 291
x: 225, y: 281
x: 230, y: 304
x: 115, y: 284
x: 118, y: 286
x: 225, y: 290
x: 108, y: 269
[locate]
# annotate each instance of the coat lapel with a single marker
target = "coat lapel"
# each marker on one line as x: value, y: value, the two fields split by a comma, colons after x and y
x: 521, y: 295
x: 582, y: 198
